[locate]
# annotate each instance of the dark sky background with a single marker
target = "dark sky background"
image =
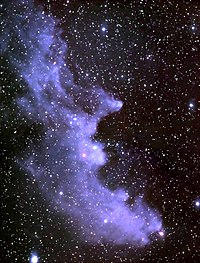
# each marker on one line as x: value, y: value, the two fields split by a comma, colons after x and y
x: 147, y: 54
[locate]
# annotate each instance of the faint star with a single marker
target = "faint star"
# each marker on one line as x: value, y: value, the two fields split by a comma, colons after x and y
x: 149, y: 56
x: 94, y: 147
x: 161, y: 233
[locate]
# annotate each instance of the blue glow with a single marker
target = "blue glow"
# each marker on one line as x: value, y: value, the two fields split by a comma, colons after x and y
x: 74, y: 159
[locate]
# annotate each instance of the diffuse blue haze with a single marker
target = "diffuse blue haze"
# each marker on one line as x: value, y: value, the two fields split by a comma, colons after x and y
x: 67, y: 161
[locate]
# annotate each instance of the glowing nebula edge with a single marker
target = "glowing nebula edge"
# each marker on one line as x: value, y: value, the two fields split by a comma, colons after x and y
x: 65, y: 164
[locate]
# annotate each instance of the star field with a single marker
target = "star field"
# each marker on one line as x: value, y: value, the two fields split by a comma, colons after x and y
x: 100, y: 145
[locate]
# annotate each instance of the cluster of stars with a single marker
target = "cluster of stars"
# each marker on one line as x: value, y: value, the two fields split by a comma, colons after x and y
x: 144, y: 53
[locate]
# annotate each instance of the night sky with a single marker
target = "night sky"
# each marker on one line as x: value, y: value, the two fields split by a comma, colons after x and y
x: 99, y: 138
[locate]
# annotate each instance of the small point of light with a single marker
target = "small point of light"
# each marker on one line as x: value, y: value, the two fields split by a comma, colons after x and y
x: 193, y: 27
x: 191, y: 105
x: 94, y: 147
x: 103, y: 29
x: 119, y: 104
x: 161, y: 233
x: 84, y: 155
x: 149, y: 56
x: 61, y: 193
x: 197, y: 203
x: 34, y: 259
x: 105, y: 221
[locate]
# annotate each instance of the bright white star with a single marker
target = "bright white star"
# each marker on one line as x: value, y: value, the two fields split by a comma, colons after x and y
x: 191, y: 105
x: 34, y: 259
x: 94, y: 147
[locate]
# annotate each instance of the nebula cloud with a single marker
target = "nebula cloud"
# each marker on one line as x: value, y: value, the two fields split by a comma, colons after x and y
x: 66, y: 163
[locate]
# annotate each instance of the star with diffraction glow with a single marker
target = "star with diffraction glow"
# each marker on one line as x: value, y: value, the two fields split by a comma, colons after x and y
x: 34, y: 259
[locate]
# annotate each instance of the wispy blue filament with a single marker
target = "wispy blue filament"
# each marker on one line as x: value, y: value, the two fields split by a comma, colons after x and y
x: 67, y: 161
